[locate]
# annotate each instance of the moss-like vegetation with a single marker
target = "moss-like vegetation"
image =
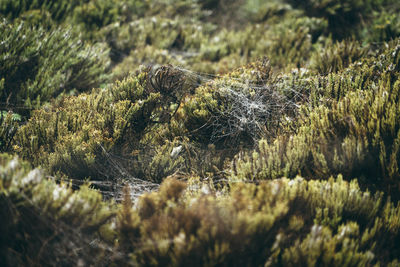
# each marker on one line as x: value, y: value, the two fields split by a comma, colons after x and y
x: 180, y: 132
x: 38, y: 65
x: 280, y: 222
x: 44, y: 223
x: 354, y: 130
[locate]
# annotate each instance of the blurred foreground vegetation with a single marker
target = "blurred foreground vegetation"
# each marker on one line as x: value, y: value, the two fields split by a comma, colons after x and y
x: 218, y: 132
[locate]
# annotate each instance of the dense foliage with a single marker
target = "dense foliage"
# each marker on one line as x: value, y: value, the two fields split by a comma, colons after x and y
x: 180, y: 132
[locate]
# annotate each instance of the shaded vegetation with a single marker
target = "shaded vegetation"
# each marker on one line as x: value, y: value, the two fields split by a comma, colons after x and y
x: 218, y: 132
x: 38, y: 65
x: 354, y: 131
x: 280, y: 222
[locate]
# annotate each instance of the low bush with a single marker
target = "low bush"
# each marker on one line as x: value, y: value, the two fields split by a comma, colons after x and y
x: 271, y: 138
x: 37, y: 65
x: 343, y: 16
x: 44, y: 223
x: 337, y: 56
x: 242, y: 106
x: 281, y: 222
x: 353, y: 129
x: 76, y: 134
x: 59, y: 10
x: 8, y: 128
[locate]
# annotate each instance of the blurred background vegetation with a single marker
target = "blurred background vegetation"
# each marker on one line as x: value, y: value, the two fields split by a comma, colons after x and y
x: 217, y: 132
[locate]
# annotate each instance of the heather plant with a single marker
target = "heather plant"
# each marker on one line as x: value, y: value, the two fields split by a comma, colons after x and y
x: 44, y: 223
x: 259, y: 11
x: 69, y: 136
x: 200, y: 48
x: 161, y: 35
x: 99, y: 13
x: 180, y: 157
x: 274, y: 223
x: 286, y: 33
x: 241, y: 106
x: 76, y: 134
x: 148, y: 55
x: 342, y: 16
x: 130, y: 129
x: 37, y: 65
x: 218, y: 132
x: 94, y: 16
x: 384, y: 26
x: 92, y: 13
x: 337, y: 56
x: 290, y: 42
x: 59, y: 10
x: 353, y: 132
x: 9, y: 126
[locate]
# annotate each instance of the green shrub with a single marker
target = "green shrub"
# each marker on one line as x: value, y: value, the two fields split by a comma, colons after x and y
x: 353, y: 129
x: 8, y: 128
x: 180, y: 157
x: 148, y: 55
x: 95, y: 14
x: 325, y: 104
x: 288, y: 43
x: 333, y: 57
x: 281, y: 222
x: 200, y: 47
x: 384, y: 26
x: 176, y: 33
x: 343, y: 16
x: 258, y: 10
x: 59, y: 10
x: 241, y: 106
x: 43, y: 222
x: 91, y: 12
x: 75, y: 135
x: 127, y: 130
x: 37, y: 65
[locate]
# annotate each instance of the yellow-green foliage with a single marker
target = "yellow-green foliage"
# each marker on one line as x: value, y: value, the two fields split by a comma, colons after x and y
x: 135, y: 118
x: 59, y: 10
x: 288, y: 44
x: 76, y: 134
x: 147, y: 54
x: 241, y: 106
x: 260, y: 90
x: 37, y: 65
x: 281, y: 222
x: 92, y: 13
x: 288, y: 33
x: 95, y: 14
x: 72, y: 134
x: 180, y: 157
x: 258, y: 10
x: 203, y: 36
x: 344, y: 17
x: 42, y: 222
x: 353, y: 130
x: 337, y: 56
x: 8, y: 128
x: 384, y: 26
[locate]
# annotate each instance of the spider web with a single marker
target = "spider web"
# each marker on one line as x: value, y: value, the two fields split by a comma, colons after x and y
x: 250, y: 108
